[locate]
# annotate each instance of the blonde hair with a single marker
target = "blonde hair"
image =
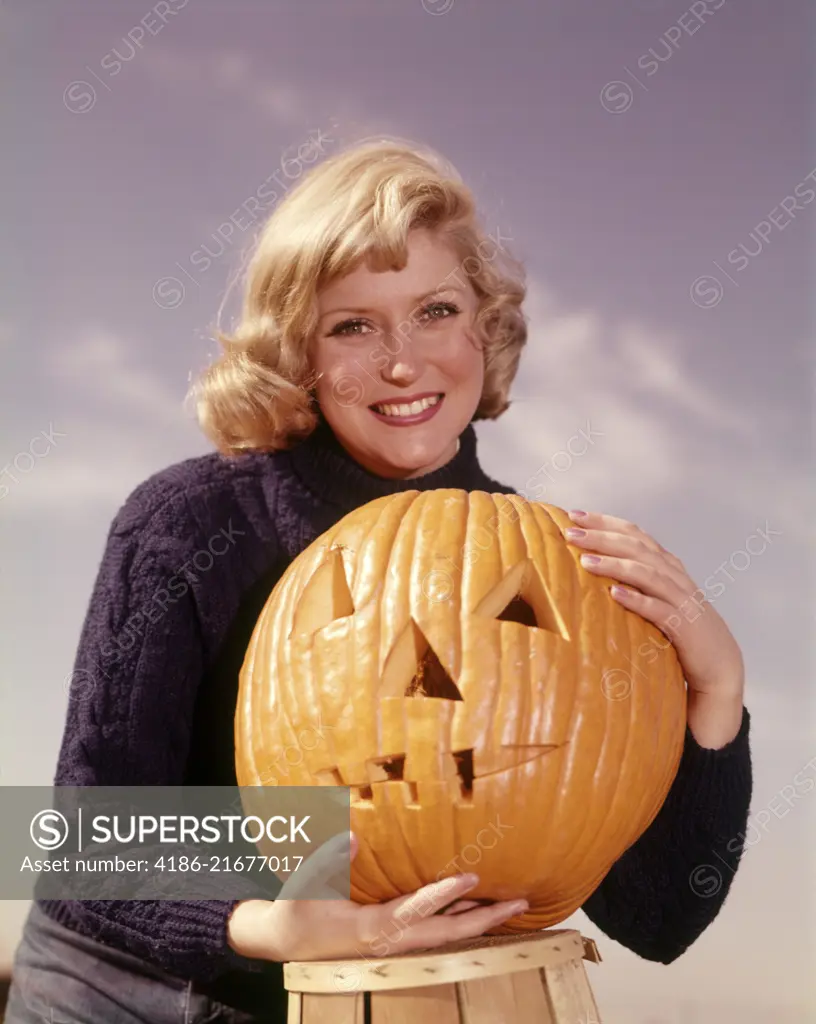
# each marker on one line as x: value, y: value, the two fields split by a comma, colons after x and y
x: 358, y: 205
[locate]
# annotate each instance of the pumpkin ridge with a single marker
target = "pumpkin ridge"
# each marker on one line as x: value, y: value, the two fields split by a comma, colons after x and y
x: 660, y: 683
x: 618, y: 614
x: 398, y: 818
x: 597, y: 821
x: 557, y: 553
x: 634, y: 704
x: 626, y: 618
x: 409, y: 826
x: 288, y: 681
x: 370, y: 588
x: 367, y: 852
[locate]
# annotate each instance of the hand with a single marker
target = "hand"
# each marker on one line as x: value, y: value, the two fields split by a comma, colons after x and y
x: 326, y: 929
x: 659, y: 589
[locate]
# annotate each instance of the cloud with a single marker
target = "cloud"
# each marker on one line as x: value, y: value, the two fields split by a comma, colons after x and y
x: 117, y: 423
x: 660, y: 433
x: 104, y: 366
x: 230, y: 73
x: 616, y: 366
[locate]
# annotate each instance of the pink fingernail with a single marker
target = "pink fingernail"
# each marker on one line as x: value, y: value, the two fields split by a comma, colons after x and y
x: 519, y: 908
x: 589, y: 559
x: 576, y: 513
x: 574, y: 532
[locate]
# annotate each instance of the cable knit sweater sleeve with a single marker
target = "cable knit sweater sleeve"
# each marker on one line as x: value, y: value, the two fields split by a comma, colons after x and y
x: 130, y: 710
x: 670, y: 885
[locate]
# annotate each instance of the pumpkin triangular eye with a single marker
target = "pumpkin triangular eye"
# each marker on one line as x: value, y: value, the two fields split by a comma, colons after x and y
x: 521, y: 596
x: 325, y: 597
x: 412, y: 669
x: 518, y: 610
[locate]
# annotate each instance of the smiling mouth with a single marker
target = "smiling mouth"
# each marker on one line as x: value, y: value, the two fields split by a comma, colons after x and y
x: 403, y: 410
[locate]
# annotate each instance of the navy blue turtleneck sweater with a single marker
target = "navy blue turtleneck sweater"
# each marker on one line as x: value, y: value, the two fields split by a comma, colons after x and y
x: 189, y: 562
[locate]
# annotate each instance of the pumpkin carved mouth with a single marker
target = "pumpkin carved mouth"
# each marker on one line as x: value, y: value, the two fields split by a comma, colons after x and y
x: 414, y: 670
x: 392, y: 769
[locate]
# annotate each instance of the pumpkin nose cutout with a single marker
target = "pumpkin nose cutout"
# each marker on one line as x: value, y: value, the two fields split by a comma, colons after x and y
x: 432, y: 680
x: 412, y: 669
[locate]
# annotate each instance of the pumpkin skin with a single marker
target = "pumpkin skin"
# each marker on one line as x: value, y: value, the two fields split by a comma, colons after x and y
x: 534, y: 755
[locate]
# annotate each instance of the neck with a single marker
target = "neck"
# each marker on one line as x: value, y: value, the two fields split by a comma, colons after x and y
x: 330, y: 473
x: 386, y: 471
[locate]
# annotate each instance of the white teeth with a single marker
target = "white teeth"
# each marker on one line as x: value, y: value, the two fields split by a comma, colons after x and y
x: 408, y: 409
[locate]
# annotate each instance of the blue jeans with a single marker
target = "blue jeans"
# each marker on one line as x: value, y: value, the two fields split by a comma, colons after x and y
x: 61, y: 977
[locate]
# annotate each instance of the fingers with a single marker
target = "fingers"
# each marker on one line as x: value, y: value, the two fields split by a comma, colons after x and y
x: 660, y: 613
x: 599, y: 521
x: 632, y: 558
x: 468, y: 924
x: 652, y: 582
x: 432, y: 898
x: 460, y: 905
x: 312, y: 878
x: 602, y: 521
x: 607, y: 542
x: 437, y: 913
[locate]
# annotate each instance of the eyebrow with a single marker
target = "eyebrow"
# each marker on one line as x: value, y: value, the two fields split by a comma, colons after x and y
x: 443, y: 290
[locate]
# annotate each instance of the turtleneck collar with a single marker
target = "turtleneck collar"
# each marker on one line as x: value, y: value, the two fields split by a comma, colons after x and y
x: 331, y: 474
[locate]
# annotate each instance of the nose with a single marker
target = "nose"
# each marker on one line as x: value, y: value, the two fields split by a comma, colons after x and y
x: 404, y: 365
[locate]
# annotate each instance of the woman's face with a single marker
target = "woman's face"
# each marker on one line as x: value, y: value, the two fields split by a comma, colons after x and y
x: 402, y: 373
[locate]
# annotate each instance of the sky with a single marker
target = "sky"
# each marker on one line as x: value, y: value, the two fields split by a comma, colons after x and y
x: 650, y: 163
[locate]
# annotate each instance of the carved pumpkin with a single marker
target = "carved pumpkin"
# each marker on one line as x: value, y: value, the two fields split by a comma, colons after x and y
x: 491, y: 706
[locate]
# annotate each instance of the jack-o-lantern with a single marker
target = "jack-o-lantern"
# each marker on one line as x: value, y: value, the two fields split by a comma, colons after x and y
x: 491, y: 707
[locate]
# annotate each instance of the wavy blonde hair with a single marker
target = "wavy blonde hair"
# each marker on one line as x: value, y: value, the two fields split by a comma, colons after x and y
x: 358, y: 205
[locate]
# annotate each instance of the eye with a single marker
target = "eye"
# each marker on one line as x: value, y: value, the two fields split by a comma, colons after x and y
x: 440, y: 310
x: 348, y: 328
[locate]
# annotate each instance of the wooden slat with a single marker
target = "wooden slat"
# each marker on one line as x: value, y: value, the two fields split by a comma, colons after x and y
x: 592, y: 1016
x: 319, y: 1008
x: 487, y: 1000
x: 294, y: 1008
x: 531, y: 997
x: 493, y: 986
x: 480, y: 958
x: 518, y: 998
x: 435, y: 1005
x: 567, y: 996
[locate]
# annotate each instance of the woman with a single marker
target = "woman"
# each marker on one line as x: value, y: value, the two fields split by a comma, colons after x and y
x: 379, y: 321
